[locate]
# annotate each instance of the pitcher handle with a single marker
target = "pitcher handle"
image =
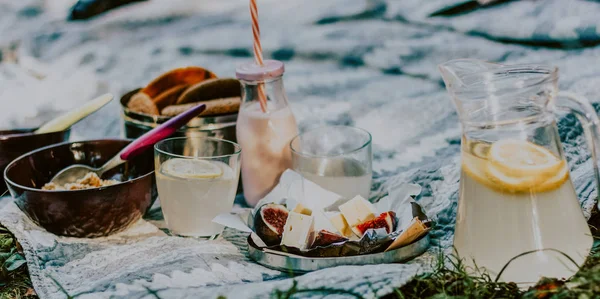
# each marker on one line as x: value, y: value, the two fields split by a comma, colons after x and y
x: 586, y: 114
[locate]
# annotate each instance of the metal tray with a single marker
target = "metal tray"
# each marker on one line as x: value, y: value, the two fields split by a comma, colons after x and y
x: 302, y: 265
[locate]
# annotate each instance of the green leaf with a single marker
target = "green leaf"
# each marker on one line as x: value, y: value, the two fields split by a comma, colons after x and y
x: 6, y: 242
x: 6, y: 255
x: 14, y: 262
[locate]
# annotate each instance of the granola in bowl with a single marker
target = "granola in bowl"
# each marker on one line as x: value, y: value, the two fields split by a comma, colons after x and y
x: 89, y: 181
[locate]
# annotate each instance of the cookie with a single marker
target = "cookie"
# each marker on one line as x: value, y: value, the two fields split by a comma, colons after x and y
x: 211, y: 89
x: 142, y: 103
x: 169, y: 96
x: 213, y: 107
x: 187, y: 75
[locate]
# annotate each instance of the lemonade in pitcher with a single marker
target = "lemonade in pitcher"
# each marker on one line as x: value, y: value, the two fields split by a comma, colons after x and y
x: 518, y: 215
x: 519, y: 191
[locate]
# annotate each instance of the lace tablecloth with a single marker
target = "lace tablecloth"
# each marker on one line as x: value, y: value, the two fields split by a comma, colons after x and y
x: 370, y: 64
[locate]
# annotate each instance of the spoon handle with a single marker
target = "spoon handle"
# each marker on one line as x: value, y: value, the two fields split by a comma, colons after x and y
x: 159, y: 133
x: 68, y: 119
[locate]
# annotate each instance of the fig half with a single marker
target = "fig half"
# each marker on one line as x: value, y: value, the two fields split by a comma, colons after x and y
x: 269, y: 222
x: 326, y: 238
x: 386, y: 220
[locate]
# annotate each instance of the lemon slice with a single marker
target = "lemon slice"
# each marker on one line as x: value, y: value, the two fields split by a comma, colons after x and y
x: 475, y: 168
x: 555, y: 181
x: 521, y: 166
x: 191, y: 169
x: 519, y: 158
x: 509, y: 183
x: 480, y: 149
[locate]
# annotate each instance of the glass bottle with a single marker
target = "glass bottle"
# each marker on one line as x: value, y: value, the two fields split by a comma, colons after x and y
x: 264, y: 135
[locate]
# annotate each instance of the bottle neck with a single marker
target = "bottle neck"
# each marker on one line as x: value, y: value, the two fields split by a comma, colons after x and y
x: 274, y: 91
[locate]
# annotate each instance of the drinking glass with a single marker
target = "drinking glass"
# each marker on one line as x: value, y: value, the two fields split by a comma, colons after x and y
x: 197, y: 179
x: 337, y: 158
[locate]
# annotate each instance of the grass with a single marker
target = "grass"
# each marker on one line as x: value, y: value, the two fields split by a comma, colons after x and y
x: 448, y: 280
x: 454, y: 282
x: 14, y: 278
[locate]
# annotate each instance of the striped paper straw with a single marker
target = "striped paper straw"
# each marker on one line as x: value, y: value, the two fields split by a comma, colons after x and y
x: 262, y: 97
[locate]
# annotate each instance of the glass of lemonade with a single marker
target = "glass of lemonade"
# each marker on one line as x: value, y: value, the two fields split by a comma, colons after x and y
x: 337, y: 158
x: 197, y: 179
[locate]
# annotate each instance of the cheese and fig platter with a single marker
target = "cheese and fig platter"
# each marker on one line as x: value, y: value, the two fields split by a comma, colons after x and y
x: 330, y: 249
x: 300, y: 227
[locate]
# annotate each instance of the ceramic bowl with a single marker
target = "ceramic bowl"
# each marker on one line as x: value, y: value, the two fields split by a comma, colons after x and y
x: 14, y: 143
x: 82, y: 213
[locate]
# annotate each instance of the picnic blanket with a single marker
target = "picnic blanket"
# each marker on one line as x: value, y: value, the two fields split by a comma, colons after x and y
x: 368, y: 63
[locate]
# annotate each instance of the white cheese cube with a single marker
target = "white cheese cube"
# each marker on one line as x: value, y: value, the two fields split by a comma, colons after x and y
x: 300, y: 208
x: 358, y: 210
x: 322, y: 222
x: 341, y: 225
x: 298, y: 231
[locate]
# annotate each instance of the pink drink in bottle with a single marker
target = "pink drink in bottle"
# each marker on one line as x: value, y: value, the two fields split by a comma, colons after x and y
x: 264, y: 136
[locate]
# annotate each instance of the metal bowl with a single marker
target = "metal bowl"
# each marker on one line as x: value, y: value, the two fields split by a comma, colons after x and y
x: 300, y: 265
x: 136, y: 124
x: 89, y: 212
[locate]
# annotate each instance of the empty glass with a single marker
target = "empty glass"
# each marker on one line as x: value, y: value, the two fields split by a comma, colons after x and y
x: 337, y: 158
x: 197, y: 179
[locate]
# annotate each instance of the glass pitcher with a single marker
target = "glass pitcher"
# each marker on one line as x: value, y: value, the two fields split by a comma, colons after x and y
x: 518, y: 214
